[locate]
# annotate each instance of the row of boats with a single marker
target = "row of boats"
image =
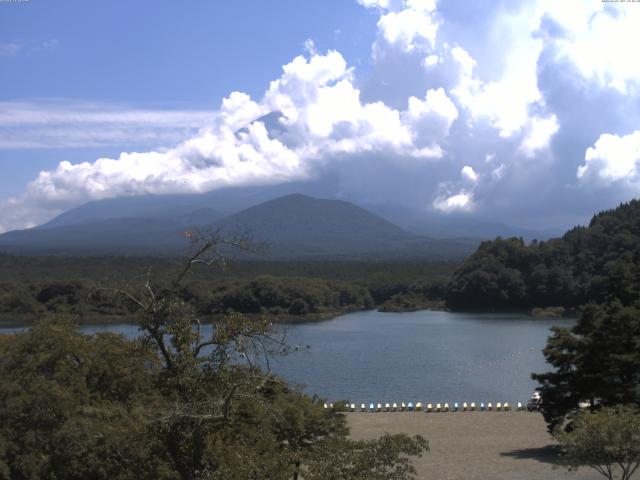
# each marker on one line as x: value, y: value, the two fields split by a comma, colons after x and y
x: 534, y: 403
x: 430, y: 407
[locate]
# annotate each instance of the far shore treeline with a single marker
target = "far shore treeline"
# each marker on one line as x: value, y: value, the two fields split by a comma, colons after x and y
x: 588, y: 264
x: 287, y: 291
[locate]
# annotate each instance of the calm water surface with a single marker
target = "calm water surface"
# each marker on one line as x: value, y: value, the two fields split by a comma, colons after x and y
x: 421, y: 356
x: 426, y: 356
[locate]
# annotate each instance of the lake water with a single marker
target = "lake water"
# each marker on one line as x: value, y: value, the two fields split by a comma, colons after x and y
x: 420, y: 356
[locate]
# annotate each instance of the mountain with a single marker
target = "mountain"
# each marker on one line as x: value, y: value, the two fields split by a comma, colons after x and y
x: 176, y: 208
x: 292, y: 226
x: 298, y: 225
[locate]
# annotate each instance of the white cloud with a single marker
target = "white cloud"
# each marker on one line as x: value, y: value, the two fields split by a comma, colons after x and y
x: 613, y: 159
x: 411, y: 28
x: 539, y: 134
x: 381, y: 4
x: 468, y: 173
x: 600, y: 40
x: 321, y: 117
x: 431, y: 118
x: 461, y: 202
x: 503, y: 101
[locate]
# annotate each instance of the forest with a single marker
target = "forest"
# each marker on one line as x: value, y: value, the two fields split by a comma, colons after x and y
x: 285, y: 291
x: 595, y: 263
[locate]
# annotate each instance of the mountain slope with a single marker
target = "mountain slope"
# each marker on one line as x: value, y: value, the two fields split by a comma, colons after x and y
x: 300, y: 225
x: 293, y: 226
x: 127, y: 236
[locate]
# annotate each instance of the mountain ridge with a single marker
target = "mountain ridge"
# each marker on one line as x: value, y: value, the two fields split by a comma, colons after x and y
x: 293, y: 226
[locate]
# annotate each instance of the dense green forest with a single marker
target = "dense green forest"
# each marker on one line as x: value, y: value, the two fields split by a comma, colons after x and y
x: 33, y: 286
x: 588, y: 264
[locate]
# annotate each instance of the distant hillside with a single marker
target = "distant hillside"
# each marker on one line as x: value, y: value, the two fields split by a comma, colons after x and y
x: 296, y: 225
x: 120, y: 236
x: 594, y: 263
x: 293, y: 226
x: 176, y: 208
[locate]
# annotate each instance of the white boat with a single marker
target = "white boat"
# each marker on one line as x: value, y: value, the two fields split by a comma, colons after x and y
x: 535, y: 401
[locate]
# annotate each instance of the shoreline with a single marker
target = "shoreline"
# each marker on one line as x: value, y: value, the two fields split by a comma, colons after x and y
x: 7, y: 321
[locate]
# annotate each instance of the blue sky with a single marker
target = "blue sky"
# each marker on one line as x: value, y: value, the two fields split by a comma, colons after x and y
x: 166, y: 53
x: 525, y: 112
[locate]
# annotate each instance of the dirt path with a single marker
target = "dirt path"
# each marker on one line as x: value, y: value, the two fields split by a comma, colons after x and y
x: 474, y: 445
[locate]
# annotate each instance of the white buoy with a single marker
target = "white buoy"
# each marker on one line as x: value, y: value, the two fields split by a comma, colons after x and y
x: 429, y: 408
x: 438, y: 407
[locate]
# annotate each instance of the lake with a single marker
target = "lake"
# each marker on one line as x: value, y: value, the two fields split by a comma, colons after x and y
x: 423, y: 356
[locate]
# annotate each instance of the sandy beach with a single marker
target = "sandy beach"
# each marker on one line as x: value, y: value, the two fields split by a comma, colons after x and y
x: 474, y: 445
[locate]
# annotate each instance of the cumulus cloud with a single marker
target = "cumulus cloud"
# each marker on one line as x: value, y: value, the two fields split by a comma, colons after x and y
x: 320, y: 117
x: 598, y: 40
x: 413, y: 27
x: 489, y: 113
x: 613, y: 159
x: 539, y: 134
x: 458, y: 202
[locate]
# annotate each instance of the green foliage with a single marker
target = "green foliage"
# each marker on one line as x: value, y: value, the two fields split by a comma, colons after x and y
x: 607, y: 441
x: 597, y: 360
x: 34, y: 286
x: 597, y: 263
x: 70, y: 405
x: 172, y: 404
x: 296, y: 296
x: 387, y: 458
